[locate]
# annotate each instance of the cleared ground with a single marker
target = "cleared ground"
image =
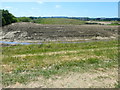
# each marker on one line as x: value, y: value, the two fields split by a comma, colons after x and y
x: 31, y: 32
x: 95, y: 79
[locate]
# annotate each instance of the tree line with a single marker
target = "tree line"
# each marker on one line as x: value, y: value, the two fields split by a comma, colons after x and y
x: 8, y: 18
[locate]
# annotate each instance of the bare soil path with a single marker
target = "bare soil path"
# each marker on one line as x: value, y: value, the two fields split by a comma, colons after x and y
x: 95, y: 79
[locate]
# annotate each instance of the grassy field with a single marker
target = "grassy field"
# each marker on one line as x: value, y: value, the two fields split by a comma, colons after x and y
x: 23, y: 63
x: 64, y: 21
x: 59, y: 21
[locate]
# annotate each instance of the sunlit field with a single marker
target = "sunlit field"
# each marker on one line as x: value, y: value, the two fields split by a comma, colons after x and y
x: 24, y: 63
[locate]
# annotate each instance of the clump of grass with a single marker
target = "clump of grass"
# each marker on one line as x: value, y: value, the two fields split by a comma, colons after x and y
x: 117, y: 85
x: 92, y: 60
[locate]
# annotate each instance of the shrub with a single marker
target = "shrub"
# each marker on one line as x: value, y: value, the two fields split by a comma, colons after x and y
x: 7, y: 18
x: 24, y: 19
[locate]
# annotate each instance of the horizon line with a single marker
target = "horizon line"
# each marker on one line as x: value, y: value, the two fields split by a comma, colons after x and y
x: 69, y: 16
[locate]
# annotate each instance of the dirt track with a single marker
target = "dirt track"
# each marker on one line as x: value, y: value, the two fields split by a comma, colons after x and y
x: 31, y: 32
x: 95, y: 79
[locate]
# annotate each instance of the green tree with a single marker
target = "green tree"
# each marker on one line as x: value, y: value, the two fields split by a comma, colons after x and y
x: 3, y: 21
x: 7, y: 18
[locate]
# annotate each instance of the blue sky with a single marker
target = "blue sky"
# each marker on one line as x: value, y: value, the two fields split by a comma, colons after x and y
x: 73, y: 9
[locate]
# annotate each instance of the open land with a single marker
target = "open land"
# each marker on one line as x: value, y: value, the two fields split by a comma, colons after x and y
x: 31, y: 32
x: 93, y: 64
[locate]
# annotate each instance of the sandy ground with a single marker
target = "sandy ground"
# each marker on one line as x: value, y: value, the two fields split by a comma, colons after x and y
x: 100, y: 22
x: 93, y: 79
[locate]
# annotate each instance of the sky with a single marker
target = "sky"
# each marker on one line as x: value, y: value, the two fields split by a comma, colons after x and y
x: 70, y: 9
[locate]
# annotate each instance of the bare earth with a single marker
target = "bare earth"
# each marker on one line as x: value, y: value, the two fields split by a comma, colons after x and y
x: 31, y: 32
x: 95, y: 79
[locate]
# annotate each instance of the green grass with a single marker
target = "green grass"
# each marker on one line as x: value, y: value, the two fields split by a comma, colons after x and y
x: 117, y: 85
x: 88, y: 56
x: 115, y: 23
x: 53, y: 47
x: 59, y: 21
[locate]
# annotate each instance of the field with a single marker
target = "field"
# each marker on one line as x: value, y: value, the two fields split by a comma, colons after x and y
x: 43, y: 65
x: 70, y: 56
x: 63, y: 21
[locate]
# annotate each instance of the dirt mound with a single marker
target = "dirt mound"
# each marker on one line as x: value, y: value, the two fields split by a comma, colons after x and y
x: 42, y: 32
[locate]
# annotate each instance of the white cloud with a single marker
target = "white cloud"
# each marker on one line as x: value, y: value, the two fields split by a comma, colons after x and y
x: 57, y: 6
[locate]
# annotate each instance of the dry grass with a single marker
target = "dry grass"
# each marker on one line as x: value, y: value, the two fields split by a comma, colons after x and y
x: 25, y: 63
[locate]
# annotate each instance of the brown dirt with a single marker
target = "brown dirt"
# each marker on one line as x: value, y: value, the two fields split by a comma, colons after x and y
x: 42, y: 32
x: 95, y: 79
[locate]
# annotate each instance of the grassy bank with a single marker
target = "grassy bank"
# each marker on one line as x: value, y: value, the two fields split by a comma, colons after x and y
x: 59, y: 21
x: 23, y: 63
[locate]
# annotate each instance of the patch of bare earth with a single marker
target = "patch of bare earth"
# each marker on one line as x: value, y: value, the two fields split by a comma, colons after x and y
x: 99, y: 78
x: 32, y: 32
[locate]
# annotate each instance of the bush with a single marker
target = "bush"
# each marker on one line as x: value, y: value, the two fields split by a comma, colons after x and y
x: 24, y: 19
x: 7, y: 18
